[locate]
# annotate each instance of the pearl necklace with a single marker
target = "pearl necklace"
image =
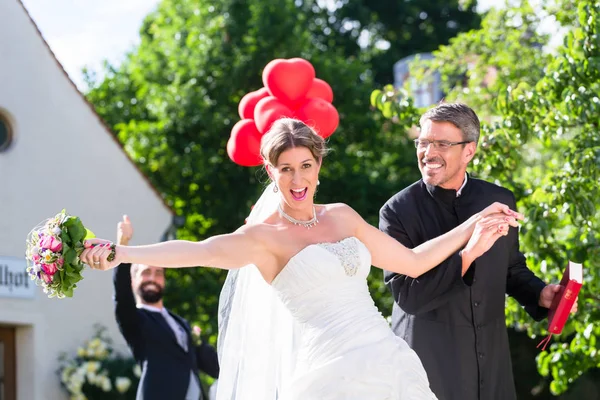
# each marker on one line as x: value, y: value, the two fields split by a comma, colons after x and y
x: 307, y: 224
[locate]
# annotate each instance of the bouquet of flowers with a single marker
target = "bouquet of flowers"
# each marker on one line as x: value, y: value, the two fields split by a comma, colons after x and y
x: 52, y: 254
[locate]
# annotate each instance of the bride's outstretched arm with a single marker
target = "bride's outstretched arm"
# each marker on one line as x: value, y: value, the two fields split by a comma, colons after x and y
x: 227, y: 251
x: 478, y: 233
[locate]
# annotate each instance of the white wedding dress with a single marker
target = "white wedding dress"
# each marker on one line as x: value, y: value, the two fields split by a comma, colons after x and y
x: 314, y: 333
x: 346, y: 349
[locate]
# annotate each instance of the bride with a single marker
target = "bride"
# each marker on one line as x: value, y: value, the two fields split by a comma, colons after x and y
x: 298, y: 321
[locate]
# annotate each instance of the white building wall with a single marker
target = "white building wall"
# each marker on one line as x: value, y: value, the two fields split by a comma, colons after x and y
x: 61, y: 157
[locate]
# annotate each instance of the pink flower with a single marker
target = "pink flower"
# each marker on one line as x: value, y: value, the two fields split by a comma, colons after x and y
x: 46, y: 278
x: 36, y: 258
x: 49, y: 269
x: 61, y: 262
x: 52, y: 243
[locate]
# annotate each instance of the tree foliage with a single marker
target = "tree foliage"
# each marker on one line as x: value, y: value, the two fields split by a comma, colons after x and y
x: 540, y: 139
x: 387, y: 31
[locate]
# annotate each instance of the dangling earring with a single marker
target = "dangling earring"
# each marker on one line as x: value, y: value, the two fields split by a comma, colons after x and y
x: 275, y: 189
x: 318, y: 182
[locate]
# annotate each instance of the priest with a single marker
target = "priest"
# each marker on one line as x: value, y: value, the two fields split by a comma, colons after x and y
x: 453, y: 315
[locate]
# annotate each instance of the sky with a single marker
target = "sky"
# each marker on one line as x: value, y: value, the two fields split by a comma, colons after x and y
x: 83, y: 33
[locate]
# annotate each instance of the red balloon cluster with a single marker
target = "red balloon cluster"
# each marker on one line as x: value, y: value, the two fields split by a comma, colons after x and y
x: 291, y: 89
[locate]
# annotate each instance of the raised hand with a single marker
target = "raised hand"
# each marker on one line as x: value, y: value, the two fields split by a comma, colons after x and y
x: 124, y: 231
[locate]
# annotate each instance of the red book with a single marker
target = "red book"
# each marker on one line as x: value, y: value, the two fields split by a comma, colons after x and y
x: 564, y: 300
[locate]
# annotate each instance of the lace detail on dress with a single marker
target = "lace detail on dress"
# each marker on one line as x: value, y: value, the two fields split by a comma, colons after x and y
x: 348, y: 254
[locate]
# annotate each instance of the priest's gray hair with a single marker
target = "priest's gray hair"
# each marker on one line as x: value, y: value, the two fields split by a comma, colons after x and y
x: 287, y: 133
x: 459, y: 115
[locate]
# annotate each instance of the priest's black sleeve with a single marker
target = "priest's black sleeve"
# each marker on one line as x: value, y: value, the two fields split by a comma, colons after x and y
x: 521, y: 283
x: 430, y: 290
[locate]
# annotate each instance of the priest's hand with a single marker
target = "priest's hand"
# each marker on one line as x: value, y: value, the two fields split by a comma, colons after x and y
x: 547, y: 296
x: 487, y: 231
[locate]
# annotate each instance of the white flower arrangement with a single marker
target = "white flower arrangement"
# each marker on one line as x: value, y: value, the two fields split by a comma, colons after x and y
x: 98, y: 373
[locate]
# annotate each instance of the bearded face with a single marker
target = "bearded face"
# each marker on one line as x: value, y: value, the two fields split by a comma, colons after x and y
x: 148, y: 283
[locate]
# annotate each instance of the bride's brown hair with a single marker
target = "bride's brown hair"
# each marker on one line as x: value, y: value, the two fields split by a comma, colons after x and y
x: 287, y: 133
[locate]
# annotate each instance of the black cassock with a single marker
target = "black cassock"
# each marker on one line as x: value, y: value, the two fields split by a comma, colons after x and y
x: 456, y: 324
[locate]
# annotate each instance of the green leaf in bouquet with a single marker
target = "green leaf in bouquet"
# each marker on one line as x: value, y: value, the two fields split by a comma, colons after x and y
x: 65, y: 246
x: 71, y: 270
x: 70, y: 256
x: 65, y: 238
x: 65, y: 286
x: 77, y: 231
x: 73, y: 275
x: 68, y: 222
x: 61, y: 274
x: 68, y: 292
x: 89, y: 234
x: 75, y: 228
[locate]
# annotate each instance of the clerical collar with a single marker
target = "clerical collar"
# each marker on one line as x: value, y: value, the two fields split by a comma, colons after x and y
x: 459, y: 191
x: 447, y: 195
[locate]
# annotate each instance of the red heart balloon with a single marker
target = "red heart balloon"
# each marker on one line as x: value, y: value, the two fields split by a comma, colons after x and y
x: 243, y: 146
x: 319, y: 114
x: 269, y: 110
x: 320, y: 89
x: 248, y: 102
x: 289, y: 80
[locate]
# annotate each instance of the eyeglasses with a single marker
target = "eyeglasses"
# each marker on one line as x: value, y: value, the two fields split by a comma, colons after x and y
x: 437, y: 144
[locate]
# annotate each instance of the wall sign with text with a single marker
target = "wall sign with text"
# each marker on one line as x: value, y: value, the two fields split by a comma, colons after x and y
x: 14, y: 280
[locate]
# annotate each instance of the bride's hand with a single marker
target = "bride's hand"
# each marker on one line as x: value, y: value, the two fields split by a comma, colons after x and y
x: 500, y: 208
x: 96, y: 254
x: 487, y: 231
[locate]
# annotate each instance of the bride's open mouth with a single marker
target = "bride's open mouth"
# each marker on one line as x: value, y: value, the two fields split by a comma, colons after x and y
x: 299, y: 194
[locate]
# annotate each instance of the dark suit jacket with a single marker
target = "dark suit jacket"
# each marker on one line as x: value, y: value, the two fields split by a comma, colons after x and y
x: 455, y: 323
x: 165, y: 365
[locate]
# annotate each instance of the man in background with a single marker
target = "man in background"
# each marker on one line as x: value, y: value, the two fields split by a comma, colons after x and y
x: 161, y: 342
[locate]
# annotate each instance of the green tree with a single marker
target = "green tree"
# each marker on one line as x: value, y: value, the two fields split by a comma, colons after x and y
x: 541, y: 139
x: 388, y: 31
